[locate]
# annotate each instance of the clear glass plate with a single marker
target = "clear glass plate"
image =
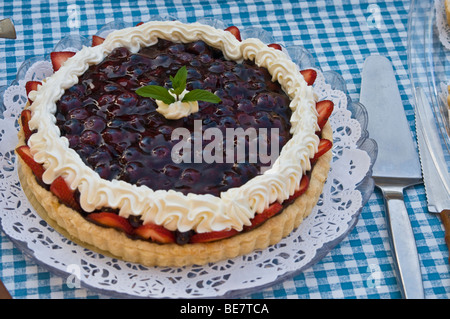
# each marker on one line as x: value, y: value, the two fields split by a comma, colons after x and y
x: 347, y: 190
x: 429, y: 60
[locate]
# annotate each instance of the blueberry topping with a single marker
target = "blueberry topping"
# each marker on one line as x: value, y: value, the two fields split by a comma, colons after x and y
x: 120, y: 135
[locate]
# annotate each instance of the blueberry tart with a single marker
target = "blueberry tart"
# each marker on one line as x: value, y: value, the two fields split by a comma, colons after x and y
x: 174, y: 144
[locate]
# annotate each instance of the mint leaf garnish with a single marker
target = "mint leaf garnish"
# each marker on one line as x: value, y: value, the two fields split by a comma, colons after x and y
x: 201, y: 95
x: 179, y: 81
x: 178, y: 86
x: 157, y: 92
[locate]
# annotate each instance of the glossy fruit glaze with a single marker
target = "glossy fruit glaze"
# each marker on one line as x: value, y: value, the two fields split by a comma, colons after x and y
x: 120, y: 135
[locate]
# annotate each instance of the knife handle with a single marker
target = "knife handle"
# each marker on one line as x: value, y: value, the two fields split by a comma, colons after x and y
x: 445, y: 217
x: 403, y: 244
x: 4, y: 294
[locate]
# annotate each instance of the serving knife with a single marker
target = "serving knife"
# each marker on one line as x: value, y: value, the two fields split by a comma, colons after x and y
x: 434, y: 166
x: 396, y: 168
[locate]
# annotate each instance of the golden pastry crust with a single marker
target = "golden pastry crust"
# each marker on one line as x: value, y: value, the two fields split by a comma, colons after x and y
x: 115, y: 243
x: 447, y: 10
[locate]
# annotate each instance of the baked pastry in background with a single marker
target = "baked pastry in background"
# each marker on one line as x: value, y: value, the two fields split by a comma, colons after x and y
x: 448, y: 102
x: 447, y: 10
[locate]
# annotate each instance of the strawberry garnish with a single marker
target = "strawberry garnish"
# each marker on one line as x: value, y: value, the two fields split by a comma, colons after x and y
x: 60, y: 189
x: 272, y: 210
x: 304, y: 183
x: 111, y: 220
x: 275, y: 46
x: 324, y: 109
x: 309, y: 75
x: 25, y: 154
x: 58, y: 58
x: 25, y: 118
x: 96, y: 40
x: 324, y: 146
x: 235, y: 31
x: 139, y: 23
x: 31, y: 86
x: 156, y: 233
x: 212, y: 236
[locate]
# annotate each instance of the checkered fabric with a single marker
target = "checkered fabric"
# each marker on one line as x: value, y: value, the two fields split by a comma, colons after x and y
x: 340, y: 34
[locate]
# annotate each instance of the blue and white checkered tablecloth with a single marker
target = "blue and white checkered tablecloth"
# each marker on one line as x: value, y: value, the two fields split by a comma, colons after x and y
x: 340, y: 34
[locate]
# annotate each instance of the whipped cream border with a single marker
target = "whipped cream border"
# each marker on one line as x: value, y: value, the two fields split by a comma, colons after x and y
x: 203, y: 213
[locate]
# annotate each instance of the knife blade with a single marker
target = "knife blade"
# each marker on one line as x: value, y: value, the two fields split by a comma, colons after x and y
x: 434, y: 166
x: 7, y: 29
x: 396, y: 168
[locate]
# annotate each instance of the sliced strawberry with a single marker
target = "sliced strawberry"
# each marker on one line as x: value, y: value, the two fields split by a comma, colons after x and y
x: 31, y: 86
x: 156, y: 233
x: 309, y: 75
x: 324, y: 146
x: 111, y: 220
x: 96, y: 40
x: 58, y: 58
x: 275, y: 46
x: 212, y: 236
x: 324, y: 109
x: 139, y: 23
x: 272, y: 210
x: 60, y: 189
x: 25, y: 153
x: 25, y: 117
x: 304, y: 183
x: 235, y: 31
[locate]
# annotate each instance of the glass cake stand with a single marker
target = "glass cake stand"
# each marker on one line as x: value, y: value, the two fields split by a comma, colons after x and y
x: 429, y: 61
x: 347, y: 190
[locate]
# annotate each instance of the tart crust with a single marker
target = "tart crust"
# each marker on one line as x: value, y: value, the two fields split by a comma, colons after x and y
x: 114, y: 243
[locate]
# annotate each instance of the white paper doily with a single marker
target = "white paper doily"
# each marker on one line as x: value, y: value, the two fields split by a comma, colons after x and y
x: 347, y: 189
